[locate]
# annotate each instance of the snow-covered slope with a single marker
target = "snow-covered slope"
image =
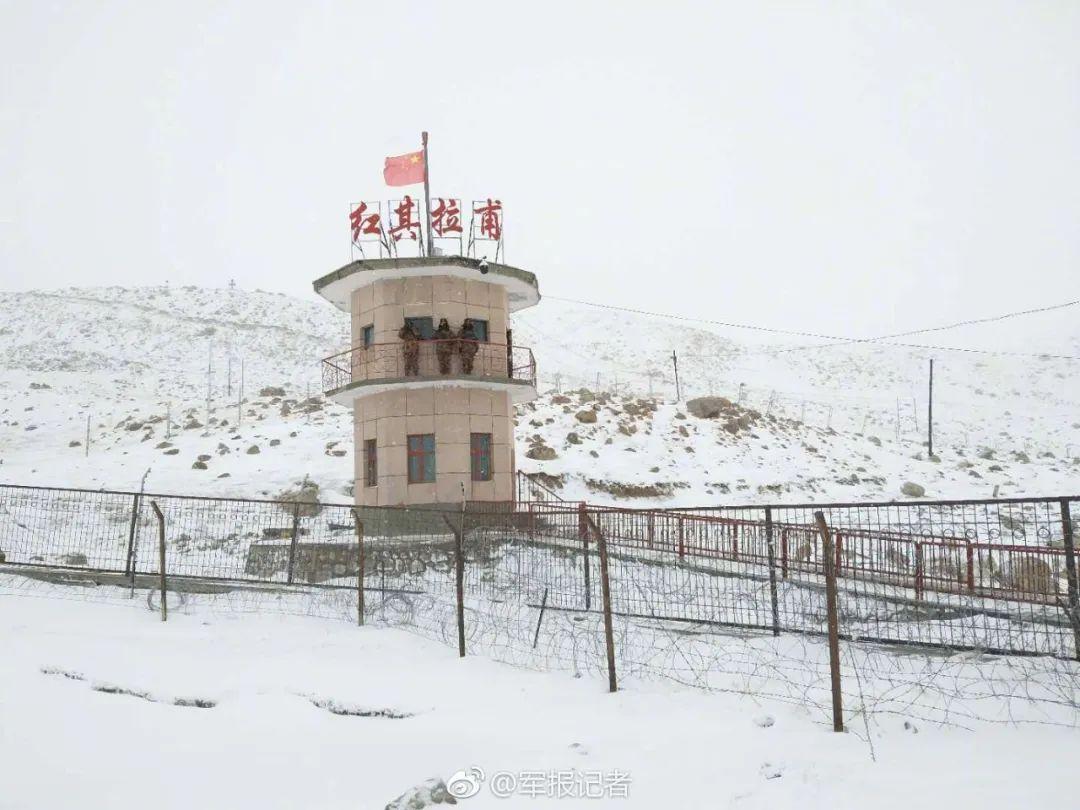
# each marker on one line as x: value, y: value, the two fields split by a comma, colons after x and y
x: 157, y: 371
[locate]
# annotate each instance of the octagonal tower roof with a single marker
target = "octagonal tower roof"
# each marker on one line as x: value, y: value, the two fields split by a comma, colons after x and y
x: 337, y: 287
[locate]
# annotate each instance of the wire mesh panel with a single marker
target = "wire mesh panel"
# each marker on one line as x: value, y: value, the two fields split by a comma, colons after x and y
x: 977, y: 575
x: 66, y: 527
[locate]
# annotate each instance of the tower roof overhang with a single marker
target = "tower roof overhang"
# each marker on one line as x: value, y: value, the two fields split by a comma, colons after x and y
x: 337, y: 287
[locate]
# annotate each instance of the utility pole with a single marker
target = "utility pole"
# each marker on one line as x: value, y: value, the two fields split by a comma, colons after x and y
x: 675, y: 363
x: 930, y: 412
x: 209, y: 377
x: 240, y: 396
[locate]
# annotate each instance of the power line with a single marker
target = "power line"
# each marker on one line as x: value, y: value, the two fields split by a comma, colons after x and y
x: 839, y: 340
x: 974, y: 321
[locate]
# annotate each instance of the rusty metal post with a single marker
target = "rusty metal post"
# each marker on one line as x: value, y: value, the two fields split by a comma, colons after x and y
x: 970, y: 567
x: 605, y: 591
x: 129, y: 568
x: 583, y: 531
x: 834, y: 623
x: 292, y: 543
x: 359, y: 567
x: 682, y: 538
x: 1071, y: 575
x: 540, y: 618
x: 772, y: 572
x: 783, y: 553
x: 919, y: 573
x: 161, y: 559
x: 459, y: 583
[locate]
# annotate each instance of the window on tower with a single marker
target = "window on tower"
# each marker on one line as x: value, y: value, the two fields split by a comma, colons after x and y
x: 422, y: 326
x: 371, y: 463
x: 480, y: 453
x: 421, y: 454
x: 368, y: 334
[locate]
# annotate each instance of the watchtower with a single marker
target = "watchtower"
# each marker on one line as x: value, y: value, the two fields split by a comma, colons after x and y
x: 433, y: 416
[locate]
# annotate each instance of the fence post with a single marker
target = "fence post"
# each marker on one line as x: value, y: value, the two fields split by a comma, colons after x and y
x: 583, y: 532
x: 129, y: 569
x: 772, y: 571
x: 459, y: 583
x: 838, y: 542
x: 1070, y: 575
x: 161, y: 559
x: 540, y: 618
x: 970, y: 567
x: 919, y: 571
x: 605, y: 591
x: 359, y: 568
x: 834, y: 625
x: 783, y: 553
x: 682, y: 537
x: 292, y: 543
x: 459, y: 573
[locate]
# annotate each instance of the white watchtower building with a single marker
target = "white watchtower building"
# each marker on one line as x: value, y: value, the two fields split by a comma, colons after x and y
x: 432, y: 415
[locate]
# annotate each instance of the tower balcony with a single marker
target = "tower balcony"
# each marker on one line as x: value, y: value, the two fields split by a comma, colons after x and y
x: 384, y: 366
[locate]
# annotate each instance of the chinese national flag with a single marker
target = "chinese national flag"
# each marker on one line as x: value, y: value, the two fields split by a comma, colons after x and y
x: 404, y: 170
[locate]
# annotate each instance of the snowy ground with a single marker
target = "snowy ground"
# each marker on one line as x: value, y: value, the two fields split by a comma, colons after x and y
x: 269, y: 741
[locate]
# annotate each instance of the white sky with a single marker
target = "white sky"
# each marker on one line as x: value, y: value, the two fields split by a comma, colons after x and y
x: 855, y: 168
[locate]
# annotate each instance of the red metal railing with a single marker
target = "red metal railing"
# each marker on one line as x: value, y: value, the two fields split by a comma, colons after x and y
x: 433, y: 358
x: 922, y: 564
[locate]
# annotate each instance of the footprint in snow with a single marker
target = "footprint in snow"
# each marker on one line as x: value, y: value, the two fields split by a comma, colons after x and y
x: 770, y: 771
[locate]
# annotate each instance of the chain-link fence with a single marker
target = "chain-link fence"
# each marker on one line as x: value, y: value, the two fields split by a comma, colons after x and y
x: 724, y: 598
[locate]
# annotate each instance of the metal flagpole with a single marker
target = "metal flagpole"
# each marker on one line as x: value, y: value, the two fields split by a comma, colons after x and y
x: 427, y: 201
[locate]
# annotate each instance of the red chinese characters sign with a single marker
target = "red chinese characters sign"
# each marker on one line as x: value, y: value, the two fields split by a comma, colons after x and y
x: 487, y: 219
x: 404, y: 219
x: 365, y: 222
x: 401, y: 222
x: 446, y: 216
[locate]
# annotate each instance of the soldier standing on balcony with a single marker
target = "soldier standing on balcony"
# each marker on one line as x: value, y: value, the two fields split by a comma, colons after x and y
x: 412, y: 349
x: 444, y: 346
x: 467, y: 345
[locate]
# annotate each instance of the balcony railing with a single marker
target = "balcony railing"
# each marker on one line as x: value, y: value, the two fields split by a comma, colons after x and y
x: 434, y: 358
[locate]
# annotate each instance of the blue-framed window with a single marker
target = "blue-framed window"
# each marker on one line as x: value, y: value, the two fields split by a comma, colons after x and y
x: 421, y: 454
x: 480, y: 328
x: 422, y: 326
x: 480, y: 453
x: 368, y: 334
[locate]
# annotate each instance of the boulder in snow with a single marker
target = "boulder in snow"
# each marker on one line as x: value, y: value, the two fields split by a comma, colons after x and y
x: 913, y: 490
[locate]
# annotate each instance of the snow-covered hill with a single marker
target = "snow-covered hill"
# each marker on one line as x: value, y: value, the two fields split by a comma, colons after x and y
x: 157, y: 371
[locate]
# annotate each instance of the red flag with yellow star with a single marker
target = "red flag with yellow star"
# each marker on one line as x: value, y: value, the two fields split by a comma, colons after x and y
x: 404, y: 170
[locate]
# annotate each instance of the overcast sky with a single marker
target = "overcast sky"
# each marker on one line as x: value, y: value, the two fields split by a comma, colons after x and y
x: 852, y: 168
